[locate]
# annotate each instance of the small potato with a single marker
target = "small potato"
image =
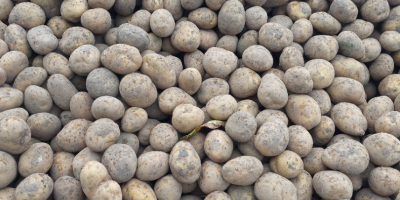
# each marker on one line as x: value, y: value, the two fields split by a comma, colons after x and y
x: 61, y: 90
x: 55, y: 63
x: 272, y: 92
x: 282, y: 20
x: 298, y: 10
x: 58, y: 25
x: 62, y: 165
x: 74, y: 37
x: 339, y: 185
x: 167, y: 26
x: 30, y: 76
x: 322, y: 73
x: 321, y: 47
x: 185, y: 163
x: 67, y: 187
x: 158, y: 69
x: 298, y: 80
x: 8, y: 170
x: 360, y: 27
x: 71, y: 138
x: 97, y: 20
x: 302, y: 30
x: 102, y: 82
x: 303, y: 184
x: 384, y: 181
x: 186, y: 117
x: 133, y: 119
x: 142, y: 93
x: 208, y: 39
x: 345, y: 11
x: 256, y: 16
x: 267, y: 37
x: 291, y: 57
x: 218, y: 146
x: 27, y: 15
x: 323, y: 100
x: 350, y: 44
x: 13, y: 62
x: 350, y: 68
x: 257, y: 58
x: 84, y: 59
x: 210, y: 88
x: 84, y: 156
x: 241, y: 126
x: 303, y: 110
x: 347, y: 156
x: 35, y: 186
x: 249, y: 38
x: 107, y: 107
x: 388, y: 123
x: 324, y: 131
x: 345, y: 89
x: 390, y: 40
x: 325, y: 23
x: 120, y: 161
x: 101, y: 134
x: 217, y: 67
x: 15, y: 135
x: 140, y: 39
x: 279, y: 164
x: 211, y: 178
x: 170, y: 98
x: 381, y: 67
x: 272, y: 138
x: 226, y: 102
x: 121, y: 58
x: 349, y: 119
x: 190, y: 80
x: 375, y: 10
x: 39, y: 153
x: 136, y: 188
x: 300, y: 140
x: 231, y: 18
x: 236, y: 171
x: 16, y: 38
x: 381, y: 148
x: 274, y: 186
x: 184, y: 42
x: 42, y: 40
x: 249, y: 106
x: 313, y: 161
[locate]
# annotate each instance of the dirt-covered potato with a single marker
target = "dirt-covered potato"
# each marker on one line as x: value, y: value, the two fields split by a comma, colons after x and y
x: 257, y: 58
x: 279, y: 164
x: 249, y: 38
x: 249, y: 106
x: 375, y: 108
x: 38, y: 185
x: 37, y: 99
x: 372, y: 49
x: 313, y: 161
x: 58, y: 25
x: 381, y: 67
x: 323, y: 100
x: 303, y: 110
x: 218, y: 146
x: 282, y: 20
x: 102, y: 82
x: 381, y: 148
x: 237, y: 171
x: 71, y: 138
x: 256, y: 16
x: 5, y: 9
x: 345, y: 11
x: 84, y: 156
x: 84, y: 59
x: 388, y: 123
x: 74, y: 37
x: 325, y: 23
x: 274, y: 186
x: 27, y: 15
x: 208, y: 39
x: 61, y: 90
x: 300, y: 140
x: 345, y: 89
x: 120, y: 161
x: 184, y: 162
x: 34, y: 76
x: 163, y: 137
x: 15, y: 112
x: 101, y: 134
x: 231, y: 18
x: 221, y: 107
x: 349, y: 119
x: 15, y: 135
x: 133, y: 119
x: 13, y: 62
x: 241, y: 126
x: 350, y: 68
x: 190, y: 80
x: 141, y: 18
x: 97, y: 20
x: 272, y: 137
x: 324, y: 131
x: 168, y: 187
x: 321, y: 47
x: 367, y: 193
x: 322, y: 72
x: 142, y: 93
x: 275, y: 44
x: 350, y: 45
x: 136, y: 188
x: 375, y: 10
x: 389, y: 40
x: 203, y: 17
x: 39, y: 153
x: 302, y: 30
x: 272, y: 92
x: 347, y: 156
x: 15, y: 37
x: 42, y: 40
x: 107, y: 107
x: 174, y: 7
x: 339, y: 185
x: 8, y: 169
x: 186, y: 37
x: 298, y: 80
x: 158, y: 69
x: 268, y: 114
x: 211, y: 178
x: 360, y: 27
x: 72, y: 10
x: 140, y: 39
x: 172, y: 97
x: 216, y: 67
x: 62, y: 165
x: 80, y: 105
x: 186, y: 117
x: 298, y: 10
x: 55, y: 63
x: 67, y: 187
x: 384, y: 181
x: 162, y: 23
x: 387, y: 86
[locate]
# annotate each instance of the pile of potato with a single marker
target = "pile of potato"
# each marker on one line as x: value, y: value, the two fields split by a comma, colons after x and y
x: 95, y: 96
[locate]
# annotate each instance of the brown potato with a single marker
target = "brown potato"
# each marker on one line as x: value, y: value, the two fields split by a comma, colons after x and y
x: 39, y: 185
x: 339, y: 185
x: 325, y: 23
x: 183, y: 42
x: 272, y: 138
x: 272, y: 92
x: 211, y: 178
x: 274, y: 186
x: 346, y: 90
x: 8, y: 170
x: 74, y: 37
x: 267, y: 36
x: 231, y: 18
x: 15, y: 135
x: 27, y: 15
x: 321, y: 47
x: 303, y: 110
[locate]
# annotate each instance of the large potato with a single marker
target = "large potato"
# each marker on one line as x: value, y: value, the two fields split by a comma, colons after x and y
x: 15, y: 135
x: 349, y: 119
x: 101, y: 134
x: 8, y: 169
x: 67, y: 187
x: 27, y: 15
x: 121, y: 58
x: 272, y: 92
x: 272, y: 138
x: 274, y: 186
x: 186, y: 37
x: 267, y: 37
x: 40, y: 154
x: 35, y: 186
x: 384, y: 181
x: 184, y: 162
x: 303, y: 110
x: 142, y: 94
x: 381, y: 148
x: 339, y: 185
x: 322, y: 72
x: 211, y: 178
x: 71, y: 138
x: 231, y: 18
x: 74, y: 37
x: 120, y: 161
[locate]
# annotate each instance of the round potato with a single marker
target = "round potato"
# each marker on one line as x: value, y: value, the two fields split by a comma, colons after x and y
x: 120, y: 161
x: 74, y: 37
x: 279, y: 164
x: 272, y: 138
x: 15, y: 135
x: 107, y: 107
x: 101, y: 134
x: 84, y: 59
x: 339, y: 185
x: 168, y: 187
x: 211, y: 178
x: 231, y: 18
x: 62, y: 165
x: 303, y: 110
x: 274, y: 186
x: 184, y: 42
x: 325, y: 23
x: 267, y: 37
x: 185, y: 163
x: 384, y: 181
x: 349, y: 119
x: 136, y: 188
x: 167, y: 26
x: 321, y: 47
x: 380, y: 147
x: 38, y: 185
x: 71, y: 138
x: 142, y: 94
x: 27, y: 15
x: 67, y: 186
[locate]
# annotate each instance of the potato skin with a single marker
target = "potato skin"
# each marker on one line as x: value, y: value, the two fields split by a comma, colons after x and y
x: 384, y: 181
x: 237, y: 171
x: 381, y: 148
x: 13, y: 62
x: 345, y: 89
x: 15, y: 135
x: 265, y: 189
x: 74, y: 37
x: 349, y: 119
x: 272, y: 92
x: 182, y: 154
x: 27, y: 15
x: 42, y: 185
x: 339, y: 186
x: 8, y: 169
x: 267, y: 39
x: 120, y: 161
x: 321, y: 47
x: 303, y: 110
x: 211, y: 178
x: 136, y: 188
x: 40, y: 154
x: 272, y: 138
x: 138, y: 95
x: 101, y: 134
x: 10, y: 98
x: 66, y: 187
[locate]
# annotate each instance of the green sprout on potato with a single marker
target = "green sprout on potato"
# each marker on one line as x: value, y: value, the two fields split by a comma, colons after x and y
x: 213, y: 124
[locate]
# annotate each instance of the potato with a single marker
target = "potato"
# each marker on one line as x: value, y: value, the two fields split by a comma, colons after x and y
x: 282, y: 20
x: 237, y: 192
x: 345, y: 89
x: 62, y: 165
x: 3, y: 48
x: 27, y: 15
x: 350, y: 45
x: 325, y: 23
x: 388, y: 123
x: 102, y: 82
x: 8, y: 169
x: 15, y: 135
x: 338, y: 156
x: 164, y: 29
x: 67, y: 187
x: 174, y: 7
x: 40, y: 154
x: 66, y: 117
x: 186, y: 117
x: 218, y: 146
x: 298, y: 10
x: 211, y: 178
x: 257, y: 58
x: 194, y: 60
x: 136, y: 188
x: 381, y: 148
x: 226, y: 102
x: 144, y: 133
x: 71, y: 138
x: 345, y: 11
x: 241, y: 126
x: 5, y: 9
x: 341, y: 136
x: 133, y: 119
x: 190, y: 80
x: 72, y: 10
x: 300, y: 140
x: 349, y: 119
x: 350, y: 68
x: 168, y: 187
x: 42, y: 40
x: 375, y: 10
x: 30, y: 76
x: 267, y: 37
x: 217, y: 195
x: 55, y: 63
x: 268, y: 114
x: 61, y: 90
x: 97, y: 20
x: 15, y: 37
x: 321, y: 47
x: 159, y: 71
x: 120, y: 161
x: 141, y: 18
x: 44, y: 126
x: 152, y: 165
x: 172, y: 97
x: 381, y: 67
x: 184, y: 162
x: 84, y: 156
x: 298, y: 80
x: 279, y: 164
x: 324, y: 131
x: 389, y: 40
x: 303, y: 184
x: 323, y: 100
x: 92, y: 174
x: 214, y: 5
x: 80, y: 106
x: 376, y: 107
x: 74, y: 37
x: 256, y: 16
x: 107, y: 107
x: 84, y: 59
x: 35, y: 186
x: 302, y: 30
x: 163, y: 137
x: 182, y: 40
x: 386, y: 86
x: 313, y: 161
x: 58, y: 25
x: 272, y: 138
x: 140, y: 39
x: 231, y: 18
x: 15, y: 112
x: 384, y: 181
x: 101, y: 134
x: 208, y: 39
x: 13, y: 62
x: 303, y: 110
x: 137, y: 95
x: 272, y: 92
x: 367, y: 193
x: 274, y: 186
x: 372, y: 49
x: 249, y: 106
x: 249, y: 38
x: 339, y: 185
